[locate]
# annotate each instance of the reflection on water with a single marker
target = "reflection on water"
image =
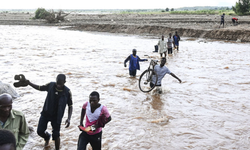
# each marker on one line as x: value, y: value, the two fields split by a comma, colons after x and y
x: 209, y: 110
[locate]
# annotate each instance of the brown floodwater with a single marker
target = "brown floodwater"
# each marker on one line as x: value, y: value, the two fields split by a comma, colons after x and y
x: 209, y: 110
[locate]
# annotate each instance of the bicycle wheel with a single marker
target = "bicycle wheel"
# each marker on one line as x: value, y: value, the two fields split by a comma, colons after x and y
x: 145, y: 79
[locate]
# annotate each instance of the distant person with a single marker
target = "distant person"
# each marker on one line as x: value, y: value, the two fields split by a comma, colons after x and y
x: 97, y: 116
x: 161, y: 70
x: 170, y: 44
x: 176, y: 38
x: 58, y: 96
x: 13, y: 120
x: 133, y: 63
x: 222, y: 20
x: 162, y: 46
x: 235, y: 21
x: 7, y: 140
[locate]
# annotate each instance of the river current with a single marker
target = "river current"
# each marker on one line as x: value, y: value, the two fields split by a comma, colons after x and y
x: 209, y: 110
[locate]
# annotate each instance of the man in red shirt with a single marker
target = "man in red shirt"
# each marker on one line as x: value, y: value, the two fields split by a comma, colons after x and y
x: 235, y: 21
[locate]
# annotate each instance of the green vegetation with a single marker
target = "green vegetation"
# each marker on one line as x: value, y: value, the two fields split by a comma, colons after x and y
x: 242, y: 7
x: 41, y: 13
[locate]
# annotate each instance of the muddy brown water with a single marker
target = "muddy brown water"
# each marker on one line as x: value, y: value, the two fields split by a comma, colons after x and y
x: 209, y: 110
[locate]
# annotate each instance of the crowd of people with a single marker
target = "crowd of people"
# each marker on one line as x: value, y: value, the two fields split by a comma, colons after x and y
x: 164, y: 47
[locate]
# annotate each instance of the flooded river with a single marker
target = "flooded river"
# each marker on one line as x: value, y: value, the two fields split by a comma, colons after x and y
x: 209, y: 110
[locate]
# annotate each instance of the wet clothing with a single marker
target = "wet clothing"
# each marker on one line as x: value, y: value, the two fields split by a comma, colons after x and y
x: 42, y: 127
x: 133, y: 63
x: 132, y: 72
x: 94, y: 140
x: 170, y: 43
x: 162, y: 46
x: 161, y: 72
x: 91, y: 118
x: 17, y: 124
x: 176, y: 40
x: 53, y: 109
x: 99, y: 116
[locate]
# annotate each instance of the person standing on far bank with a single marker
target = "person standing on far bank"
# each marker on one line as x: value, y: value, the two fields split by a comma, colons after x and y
x: 222, y: 20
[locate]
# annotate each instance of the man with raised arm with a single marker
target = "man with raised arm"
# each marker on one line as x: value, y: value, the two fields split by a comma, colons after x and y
x: 161, y: 70
x: 58, y: 96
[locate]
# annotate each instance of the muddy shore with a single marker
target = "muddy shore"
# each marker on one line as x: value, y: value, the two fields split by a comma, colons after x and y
x: 196, y: 26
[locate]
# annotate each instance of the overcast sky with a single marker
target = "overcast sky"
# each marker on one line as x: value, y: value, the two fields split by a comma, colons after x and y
x: 110, y: 4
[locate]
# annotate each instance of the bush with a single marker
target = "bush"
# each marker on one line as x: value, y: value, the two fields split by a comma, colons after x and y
x: 41, y: 13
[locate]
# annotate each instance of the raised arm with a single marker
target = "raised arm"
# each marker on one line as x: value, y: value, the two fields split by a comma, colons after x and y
x: 142, y: 59
x: 173, y: 75
x: 37, y: 87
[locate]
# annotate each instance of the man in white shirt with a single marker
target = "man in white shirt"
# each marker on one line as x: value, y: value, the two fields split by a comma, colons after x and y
x: 162, y: 46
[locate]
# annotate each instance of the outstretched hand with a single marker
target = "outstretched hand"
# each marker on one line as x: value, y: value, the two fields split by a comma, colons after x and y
x: 180, y: 80
x: 125, y: 65
x: 67, y: 123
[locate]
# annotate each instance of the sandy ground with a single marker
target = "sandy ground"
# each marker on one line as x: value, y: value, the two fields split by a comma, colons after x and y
x: 198, y: 26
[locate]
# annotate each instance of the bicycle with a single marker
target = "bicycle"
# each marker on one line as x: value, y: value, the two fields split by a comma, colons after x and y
x: 146, y: 83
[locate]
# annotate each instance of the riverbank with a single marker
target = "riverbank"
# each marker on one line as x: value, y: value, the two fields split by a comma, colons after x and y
x: 196, y: 26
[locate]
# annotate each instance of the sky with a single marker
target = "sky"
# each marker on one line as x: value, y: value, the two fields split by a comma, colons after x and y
x: 111, y: 4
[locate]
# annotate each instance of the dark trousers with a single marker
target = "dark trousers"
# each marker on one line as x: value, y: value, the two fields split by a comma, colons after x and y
x: 94, y: 140
x: 170, y: 50
x: 132, y: 72
x: 42, y: 127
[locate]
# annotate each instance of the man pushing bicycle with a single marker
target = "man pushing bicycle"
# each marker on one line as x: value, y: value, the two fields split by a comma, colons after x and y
x: 161, y: 70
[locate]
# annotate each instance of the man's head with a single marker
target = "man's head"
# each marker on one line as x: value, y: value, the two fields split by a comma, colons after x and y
x: 7, y: 140
x: 162, y: 37
x: 170, y: 34
x: 5, y: 105
x: 163, y: 61
x: 175, y: 32
x: 223, y: 14
x: 94, y: 99
x: 134, y: 52
x: 60, y: 81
